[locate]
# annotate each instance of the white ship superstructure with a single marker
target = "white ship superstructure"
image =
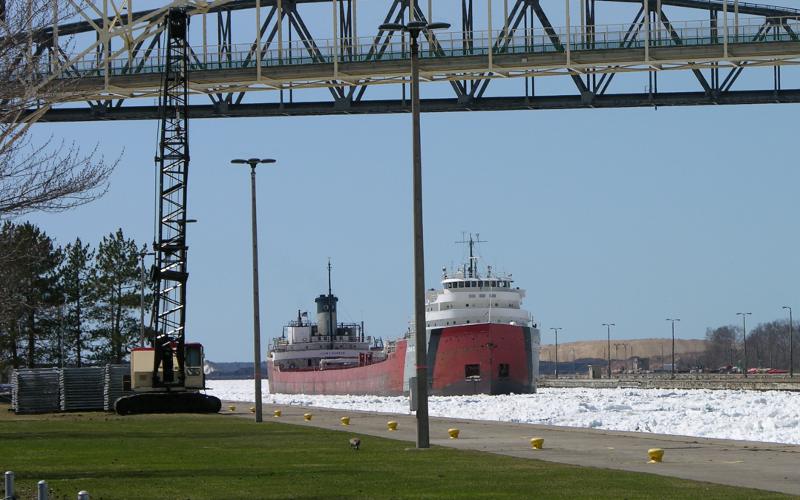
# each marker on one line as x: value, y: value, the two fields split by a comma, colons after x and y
x: 468, y: 296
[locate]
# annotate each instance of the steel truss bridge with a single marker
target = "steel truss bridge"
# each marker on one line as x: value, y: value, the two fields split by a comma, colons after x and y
x: 260, y: 57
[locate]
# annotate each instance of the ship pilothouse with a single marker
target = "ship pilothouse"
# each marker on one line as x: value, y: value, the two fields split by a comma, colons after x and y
x: 469, y: 296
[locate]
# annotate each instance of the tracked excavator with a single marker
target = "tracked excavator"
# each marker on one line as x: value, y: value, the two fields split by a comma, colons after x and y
x: 168, y: 376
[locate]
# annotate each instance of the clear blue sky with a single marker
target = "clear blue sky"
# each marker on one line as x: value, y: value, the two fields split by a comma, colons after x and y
x: 629, y: 216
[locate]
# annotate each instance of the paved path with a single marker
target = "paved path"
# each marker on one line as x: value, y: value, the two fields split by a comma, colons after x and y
x: 765, y: 466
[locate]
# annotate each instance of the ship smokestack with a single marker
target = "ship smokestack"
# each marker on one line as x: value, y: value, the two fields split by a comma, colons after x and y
x: 326, y: 314
x: 326, y: 311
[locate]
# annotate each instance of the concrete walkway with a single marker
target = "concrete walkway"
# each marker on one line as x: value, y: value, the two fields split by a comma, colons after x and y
x: 765, y: 466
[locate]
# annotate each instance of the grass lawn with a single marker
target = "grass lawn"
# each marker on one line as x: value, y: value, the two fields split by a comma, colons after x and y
x: 226, y: 457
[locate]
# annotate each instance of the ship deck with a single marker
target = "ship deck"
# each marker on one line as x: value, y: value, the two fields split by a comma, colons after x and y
x: 765, y: 466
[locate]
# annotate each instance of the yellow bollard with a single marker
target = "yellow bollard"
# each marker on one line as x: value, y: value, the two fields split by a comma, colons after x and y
x: 392, y: 425
x: 276, y: 413
x: 307, y: 416
x: 232, y: 408
x: 537, y: 443
x: 345, y: 420
x: 453, y: 433
x: 252, y: 409
x: 656, y: 455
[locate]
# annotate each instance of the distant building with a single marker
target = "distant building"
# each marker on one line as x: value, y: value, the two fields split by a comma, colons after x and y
x: 640, y: 364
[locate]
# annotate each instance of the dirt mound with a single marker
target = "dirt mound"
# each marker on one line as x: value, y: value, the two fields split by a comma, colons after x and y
x: 622, y: 349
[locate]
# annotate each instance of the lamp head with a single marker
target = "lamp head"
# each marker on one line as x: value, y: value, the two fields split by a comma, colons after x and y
x: 252, y: 161
x: 413, y: 26
x: 438, y: 26
x: 392, y: 27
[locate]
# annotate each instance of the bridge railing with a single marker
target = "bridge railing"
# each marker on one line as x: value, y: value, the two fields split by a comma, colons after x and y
x: 451, y: 44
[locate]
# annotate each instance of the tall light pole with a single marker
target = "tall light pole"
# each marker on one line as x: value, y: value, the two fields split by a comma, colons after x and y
x: 791, y: 343
x: 744, y: 338
x: 608, y: 331
x: 253, y: 162
x: 673, y: 320
x: 631, y: 357
x: 574, y: 370
x: 414, y: 28
x: 625, y: 360
x: 556, y: 329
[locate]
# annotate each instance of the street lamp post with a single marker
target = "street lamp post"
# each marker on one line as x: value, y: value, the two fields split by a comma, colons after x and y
x: 631, y: 358
x: 574, y: 370
x: 625, y: 359
x: 791, y: 343
x: 414, y: 28
x: 744, y: 338
x: 608, y: 331
x: 556, y: 329
x: 673, y: 320
x: 253, y: 162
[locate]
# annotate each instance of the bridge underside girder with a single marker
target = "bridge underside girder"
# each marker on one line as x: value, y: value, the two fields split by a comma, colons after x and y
x: 435, y: 105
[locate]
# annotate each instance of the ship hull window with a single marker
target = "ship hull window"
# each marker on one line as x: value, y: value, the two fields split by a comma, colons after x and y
x: 472, y: 371
x: 504, y: 370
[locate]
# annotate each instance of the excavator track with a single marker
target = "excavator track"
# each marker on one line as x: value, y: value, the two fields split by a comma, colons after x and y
x: 167, y: 402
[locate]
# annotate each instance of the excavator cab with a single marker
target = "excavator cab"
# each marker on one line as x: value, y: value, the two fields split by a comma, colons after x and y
x: 144, y: 379
x: 170, y: 392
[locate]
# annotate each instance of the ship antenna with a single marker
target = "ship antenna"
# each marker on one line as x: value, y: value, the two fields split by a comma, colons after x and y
x: 471, y: 257
x: 329, y: 275
x: 331, y: 325
x: 473, y: 268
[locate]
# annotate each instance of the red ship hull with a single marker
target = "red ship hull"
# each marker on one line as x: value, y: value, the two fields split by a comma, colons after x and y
x: 383, y: 379
x: 486, y: 358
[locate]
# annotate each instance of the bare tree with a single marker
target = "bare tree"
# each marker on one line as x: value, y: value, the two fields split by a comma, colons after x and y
x: 50, y: 175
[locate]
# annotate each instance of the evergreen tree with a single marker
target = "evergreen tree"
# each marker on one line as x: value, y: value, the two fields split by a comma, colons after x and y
x: 76, y: 284
x: 116, y: 282
x: 10, y: 302
x: 28, y: 282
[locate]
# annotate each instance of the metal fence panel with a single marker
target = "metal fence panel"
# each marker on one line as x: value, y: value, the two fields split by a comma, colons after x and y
x: 82, y: 388
x: 113, y: 387
x: 35, y: 390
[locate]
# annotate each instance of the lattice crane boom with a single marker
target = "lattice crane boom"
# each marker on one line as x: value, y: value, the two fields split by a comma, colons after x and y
x: 170, y: 273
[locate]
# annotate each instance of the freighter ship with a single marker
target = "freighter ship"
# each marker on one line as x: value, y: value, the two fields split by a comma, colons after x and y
x: 480, y: 341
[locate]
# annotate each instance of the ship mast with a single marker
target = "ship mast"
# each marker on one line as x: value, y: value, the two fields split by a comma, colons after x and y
x: 473, y: 267
x: 331, y: 326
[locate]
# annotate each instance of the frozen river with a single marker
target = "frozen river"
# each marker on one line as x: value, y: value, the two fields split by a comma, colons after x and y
x: 750, y: 415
